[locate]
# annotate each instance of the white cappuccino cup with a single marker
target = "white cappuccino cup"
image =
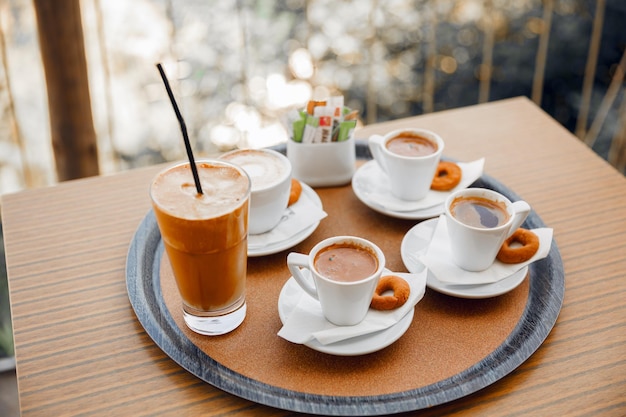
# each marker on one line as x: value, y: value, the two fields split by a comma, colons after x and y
x: 270, y: 174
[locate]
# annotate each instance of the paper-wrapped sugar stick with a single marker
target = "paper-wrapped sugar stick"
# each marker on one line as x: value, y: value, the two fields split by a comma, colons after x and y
x: 298, y: 129
x: 336, y: 104
x: 324, y: 130
x: 310, y: 129
x: 312, y: 104
x: 346, y: 129
x: 350, y: 114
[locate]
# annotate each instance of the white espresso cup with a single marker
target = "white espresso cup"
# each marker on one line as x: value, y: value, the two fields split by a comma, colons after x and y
x: 479, y: 221
x: 270, y: 174
x: 343, y: 274
x: 410, y: 168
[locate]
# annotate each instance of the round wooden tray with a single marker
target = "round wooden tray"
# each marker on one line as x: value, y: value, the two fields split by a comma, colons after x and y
x: 545, y: 296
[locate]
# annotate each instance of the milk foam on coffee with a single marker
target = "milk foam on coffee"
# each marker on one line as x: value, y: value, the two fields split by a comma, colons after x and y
x: 264, y: 168
x: 223, y: 188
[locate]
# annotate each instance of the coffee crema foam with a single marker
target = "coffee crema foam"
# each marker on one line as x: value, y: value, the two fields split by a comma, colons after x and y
x: 346, y: 262
x: 479, y: 212
x: 264, y: 168
x: 223, y: 189
x: 411, y: 144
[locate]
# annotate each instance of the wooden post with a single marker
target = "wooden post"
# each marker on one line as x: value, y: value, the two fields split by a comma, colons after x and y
x: 63, y: 54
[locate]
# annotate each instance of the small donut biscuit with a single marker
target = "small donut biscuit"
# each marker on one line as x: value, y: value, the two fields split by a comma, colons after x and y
x: 400, y: 288
x: 296, y: 190
x: 447, y: 177
x: 515, y: 255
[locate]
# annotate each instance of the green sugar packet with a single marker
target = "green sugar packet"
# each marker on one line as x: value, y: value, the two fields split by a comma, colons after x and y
x: 345, y: 130
x: 298, y: 130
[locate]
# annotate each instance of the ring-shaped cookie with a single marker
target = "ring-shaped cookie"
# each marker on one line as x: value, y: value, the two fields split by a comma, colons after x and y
x: 401, y: 291
x: 294, y: 193
x: 447, y: 176
x: 513, y: 255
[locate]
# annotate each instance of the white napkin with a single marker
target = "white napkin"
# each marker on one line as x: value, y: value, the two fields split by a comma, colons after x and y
x: 297, y: 217
x: 438, y: 259
x: 380, y: 191
x: 306, y: 322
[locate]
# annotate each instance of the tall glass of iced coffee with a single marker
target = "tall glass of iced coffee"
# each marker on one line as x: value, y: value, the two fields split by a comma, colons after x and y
x: 206, y: 238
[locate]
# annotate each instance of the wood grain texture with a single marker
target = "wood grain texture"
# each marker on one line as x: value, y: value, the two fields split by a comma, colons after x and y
x: 81, y: 351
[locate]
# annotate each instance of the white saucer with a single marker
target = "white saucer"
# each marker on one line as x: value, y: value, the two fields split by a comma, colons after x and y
x: 415, y: 243
x: 369, y: 178
x: 294, y: 239
x: 360, y: 345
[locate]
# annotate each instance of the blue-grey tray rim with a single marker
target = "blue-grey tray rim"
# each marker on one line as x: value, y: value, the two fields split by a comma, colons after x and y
x: 546, y: 292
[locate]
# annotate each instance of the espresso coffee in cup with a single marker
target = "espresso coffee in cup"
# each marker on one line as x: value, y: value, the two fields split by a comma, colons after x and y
x: 346, y: 262
x: 270, y: 173
x: 343, y: 272
x: 479, y: 212
x: 411, y: 144
x: 409, y: 158
x: 478, y: 221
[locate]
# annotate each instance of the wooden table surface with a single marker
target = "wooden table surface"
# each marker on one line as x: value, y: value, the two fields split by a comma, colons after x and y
x: 80, y: 349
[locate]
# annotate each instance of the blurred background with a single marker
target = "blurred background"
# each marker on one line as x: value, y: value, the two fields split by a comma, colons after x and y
x: 237, y: 67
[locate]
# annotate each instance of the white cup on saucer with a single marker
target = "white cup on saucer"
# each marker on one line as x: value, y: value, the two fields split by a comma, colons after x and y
x: 479, y: 220
x: 344, y: 290
x: 409, y: 157
x: 270, y: 174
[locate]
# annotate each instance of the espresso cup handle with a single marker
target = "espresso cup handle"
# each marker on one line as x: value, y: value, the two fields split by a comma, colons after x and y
x: 295, y: 263
x: 521, y: 209
x: 376, y: 143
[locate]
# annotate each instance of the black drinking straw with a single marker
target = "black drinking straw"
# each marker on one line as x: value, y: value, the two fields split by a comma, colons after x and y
x: 183, y: 127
